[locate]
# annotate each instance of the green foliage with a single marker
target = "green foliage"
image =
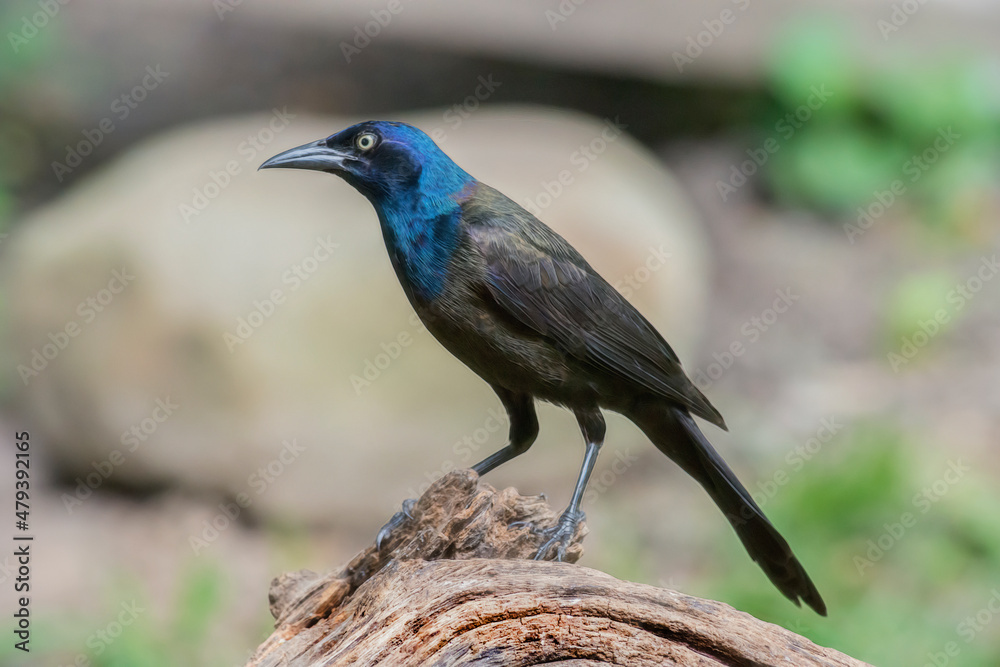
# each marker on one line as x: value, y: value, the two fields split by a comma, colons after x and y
x: 903, y: 554
x: 182, y: 639
x: 153, y: 637
x: 919, y: 303
x: 22, y: 56
x: 879, y: 128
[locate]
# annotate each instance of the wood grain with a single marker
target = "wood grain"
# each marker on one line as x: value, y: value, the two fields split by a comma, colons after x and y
x: 453, y: 585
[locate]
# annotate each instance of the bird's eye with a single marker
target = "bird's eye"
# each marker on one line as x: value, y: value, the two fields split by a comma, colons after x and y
x: 365, y: 141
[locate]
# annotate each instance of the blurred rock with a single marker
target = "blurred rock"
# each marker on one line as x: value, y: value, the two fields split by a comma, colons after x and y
x: 180, y: 318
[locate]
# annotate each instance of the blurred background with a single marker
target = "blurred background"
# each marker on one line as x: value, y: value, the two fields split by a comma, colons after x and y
x: 222, y: 380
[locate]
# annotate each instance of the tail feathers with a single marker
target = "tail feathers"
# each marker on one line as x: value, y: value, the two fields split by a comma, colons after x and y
x: 675, y: 433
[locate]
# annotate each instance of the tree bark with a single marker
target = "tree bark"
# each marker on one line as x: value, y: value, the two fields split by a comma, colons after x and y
x: 452, y: 585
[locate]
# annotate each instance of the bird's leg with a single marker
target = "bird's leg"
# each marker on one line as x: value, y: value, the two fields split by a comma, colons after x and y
x: 593, y: 427
x: 523, y: 429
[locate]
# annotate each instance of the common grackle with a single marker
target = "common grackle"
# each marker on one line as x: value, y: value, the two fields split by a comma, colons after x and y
x: 519, y: 306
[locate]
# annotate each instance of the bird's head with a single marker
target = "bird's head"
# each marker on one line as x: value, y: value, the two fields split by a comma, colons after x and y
x: 386, y: 161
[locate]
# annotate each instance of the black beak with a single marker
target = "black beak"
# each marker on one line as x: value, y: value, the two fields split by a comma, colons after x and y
x: 316, y: 156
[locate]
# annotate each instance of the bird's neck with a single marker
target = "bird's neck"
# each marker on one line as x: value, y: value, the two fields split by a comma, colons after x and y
x: 421, y: 233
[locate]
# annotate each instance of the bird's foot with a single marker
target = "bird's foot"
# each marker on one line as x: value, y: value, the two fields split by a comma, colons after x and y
x: 561, y: 536
x: 530, y: 525
x: 397, y: 520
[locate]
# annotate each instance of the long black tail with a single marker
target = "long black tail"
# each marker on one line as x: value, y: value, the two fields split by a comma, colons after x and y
x: 675, y: 433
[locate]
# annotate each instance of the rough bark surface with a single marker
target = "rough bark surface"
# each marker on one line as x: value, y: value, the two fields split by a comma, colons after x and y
x: 453, y: 585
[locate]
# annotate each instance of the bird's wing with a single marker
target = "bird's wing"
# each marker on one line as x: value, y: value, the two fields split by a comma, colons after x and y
x: 558, y: 295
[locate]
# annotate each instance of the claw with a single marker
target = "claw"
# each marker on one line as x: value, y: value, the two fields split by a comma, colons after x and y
x: 561, y: 536
x: 408, y: 506
x: 397, y: 520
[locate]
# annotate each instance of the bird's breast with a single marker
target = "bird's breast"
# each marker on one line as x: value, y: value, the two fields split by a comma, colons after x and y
x: 421, y: 249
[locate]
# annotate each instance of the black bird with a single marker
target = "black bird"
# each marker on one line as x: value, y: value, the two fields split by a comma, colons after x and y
x: 522, y: 308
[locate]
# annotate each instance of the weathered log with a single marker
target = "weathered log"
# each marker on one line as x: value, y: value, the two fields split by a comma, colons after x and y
x: 452, y: 585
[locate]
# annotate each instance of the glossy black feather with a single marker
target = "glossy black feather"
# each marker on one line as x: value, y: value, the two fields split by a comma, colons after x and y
x: 678, y: 436
x: 542, y: 281
x: 520, y: 307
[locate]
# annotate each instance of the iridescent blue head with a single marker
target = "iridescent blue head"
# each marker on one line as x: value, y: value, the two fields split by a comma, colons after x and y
x: 413, y: 185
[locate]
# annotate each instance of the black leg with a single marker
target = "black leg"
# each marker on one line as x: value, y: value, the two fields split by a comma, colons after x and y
x: 523, y: 429
x: 593, y: 427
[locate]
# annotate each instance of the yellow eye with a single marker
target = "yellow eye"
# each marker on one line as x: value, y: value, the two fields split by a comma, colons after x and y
x: 365, y: 141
